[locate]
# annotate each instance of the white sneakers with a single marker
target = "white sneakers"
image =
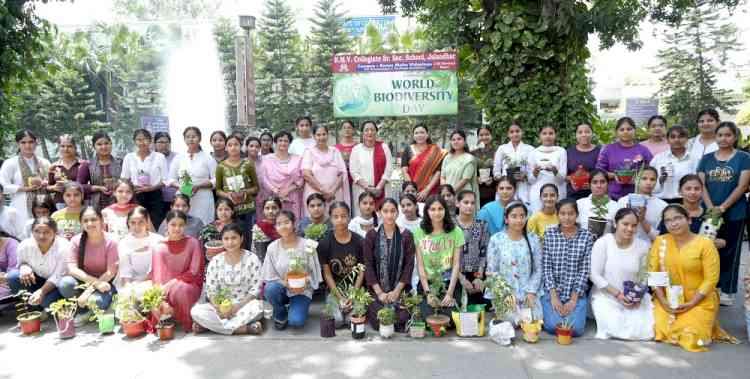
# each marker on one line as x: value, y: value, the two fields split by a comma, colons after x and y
x: 726, y: 299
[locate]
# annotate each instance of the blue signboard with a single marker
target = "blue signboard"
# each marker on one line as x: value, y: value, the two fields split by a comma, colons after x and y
x: 155, y: 124
x: 356, y: 26
x: 640, y: 109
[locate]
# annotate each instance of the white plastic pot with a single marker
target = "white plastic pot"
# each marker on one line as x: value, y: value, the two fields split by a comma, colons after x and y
x: 386, y: 331
x: 502, y: 332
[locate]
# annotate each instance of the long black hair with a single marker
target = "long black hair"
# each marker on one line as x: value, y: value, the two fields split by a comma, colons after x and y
x: 426, y: 224
x: 413, y: 199
x: 517, y: 204
x: 85, y: 234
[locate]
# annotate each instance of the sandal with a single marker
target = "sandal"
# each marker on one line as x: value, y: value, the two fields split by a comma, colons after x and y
x: 197, y: 328
x: 255, y: 328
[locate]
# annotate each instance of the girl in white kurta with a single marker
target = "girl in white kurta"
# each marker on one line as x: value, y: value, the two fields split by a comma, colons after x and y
x: 23, y: 176
x: 236, y: 272
x: 201, y: 167
x: 514, y: 154
x: 370, y: 166
x: 135, y: 255
x: 615, y: 259
x: 648, y: 228
x: 547, y: 164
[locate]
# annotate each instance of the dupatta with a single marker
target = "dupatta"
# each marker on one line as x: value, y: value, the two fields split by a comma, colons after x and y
x: 423, y: 165
x: 378, y: 166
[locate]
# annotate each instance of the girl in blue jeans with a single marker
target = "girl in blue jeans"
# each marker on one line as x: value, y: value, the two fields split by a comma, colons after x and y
x: 290, y: 306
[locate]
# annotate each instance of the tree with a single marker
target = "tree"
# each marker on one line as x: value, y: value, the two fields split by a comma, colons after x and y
x: 328, y: 38
x: 527, y: 58
x: 150, y: 10
x: 225, y: 33
x: 279, y: 85
x: 696, y: 54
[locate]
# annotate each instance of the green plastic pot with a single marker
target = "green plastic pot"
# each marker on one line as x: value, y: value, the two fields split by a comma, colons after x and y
x: 107, y: 324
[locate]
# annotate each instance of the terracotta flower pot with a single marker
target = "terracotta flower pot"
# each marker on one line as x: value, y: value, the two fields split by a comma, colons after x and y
x: 66, y: 328
x: 296, y: 280
x: 327, y: 327
x: 437, y: 324
x: 133, y: 329
x: 31, y: 322
x: 359, y: 327
x: 564, y: 336
x: 166, y: 332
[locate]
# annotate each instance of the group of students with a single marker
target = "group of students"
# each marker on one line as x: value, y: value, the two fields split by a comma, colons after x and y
x: 513, y: 211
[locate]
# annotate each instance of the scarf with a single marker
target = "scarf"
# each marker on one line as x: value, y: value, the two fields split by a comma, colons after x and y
x: 97, y: 173
x: 26, y: 174
x: 378, y: 165
x: 122, y: 208
x: 269, y: 229
x: 389, y: 259
x: 424, y: 165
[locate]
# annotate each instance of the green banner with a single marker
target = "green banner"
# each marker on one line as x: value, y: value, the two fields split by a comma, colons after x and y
x: 398, y: 93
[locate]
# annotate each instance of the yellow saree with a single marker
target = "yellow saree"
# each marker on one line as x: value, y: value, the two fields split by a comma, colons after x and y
x: 696, y: 268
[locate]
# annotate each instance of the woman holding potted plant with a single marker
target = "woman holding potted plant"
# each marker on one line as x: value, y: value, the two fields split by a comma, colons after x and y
x: 547, y: 215
x: 459, y: 166
x: 264, y: 231
x: 389, y: 262
x: 705, y: 142
x: 193, y: 226
x: 316, y: 224
x: 485, y: 155
x: 340, y: 253
x: 685, y: 314
x: 237, y: 273
x: 511, y: 160
x: 566, y: 262
x: 370, y: 165
x: 236, y: 181
x: 324, y: 170
x: 92, y: 261
x: 621, y: 159
x: 691, y: 192
x: 597, y: 210
x: 726, y: 174
x: 515, y: 255
x: 64, y: 169
x: 493, y: 212
x: 474, y: 251
x: 289, y: 259
x: 282, y: 174
x: 136, y: 254
x: 438, y: 245
x: 210, y: 235
x: 97, y: 176
x: 421, y: 162
x: 177, y: 266
x: 193, y: 174
x: 581, y: 159
x: 621, y: 306
x: 673, y: 165
x: 148, y: 170
x: 647, y: 206
x: 23, y: 176
x: 547, y: 164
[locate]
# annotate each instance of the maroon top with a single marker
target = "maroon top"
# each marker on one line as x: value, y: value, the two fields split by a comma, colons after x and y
x: 71, y: 174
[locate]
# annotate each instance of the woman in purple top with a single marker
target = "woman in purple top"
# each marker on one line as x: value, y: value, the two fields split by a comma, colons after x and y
x: 625, y: 153
x: 582, y: 156
x: 8, y: 261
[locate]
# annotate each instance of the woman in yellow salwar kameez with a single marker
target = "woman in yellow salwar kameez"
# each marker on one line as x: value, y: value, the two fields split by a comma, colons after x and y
x: 692, y: 263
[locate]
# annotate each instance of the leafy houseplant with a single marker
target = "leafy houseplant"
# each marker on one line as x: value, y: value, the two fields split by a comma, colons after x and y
x: 126, y: 309
x: 504, y: 302
x: 106, y: 321
x: 712, y: 221
x: 598, y: 222
x: 186, y: 183
x: 211, y: 238
x: 297, y: 273
x: 361, y: 299
x: 315, y: 231
x: 564, y: 331
x: 386, y: 319
x: 412, y: 303
x: 29, y: 321
x: 64, y: 310
x: 154, y: 302
x: 436, y: 321
x: 222, y: 300
x: 514, y: 166
x: 327, y: 319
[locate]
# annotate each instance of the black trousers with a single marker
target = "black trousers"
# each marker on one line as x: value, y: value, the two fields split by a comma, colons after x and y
x: 153, y: 203
x: 731, y: 231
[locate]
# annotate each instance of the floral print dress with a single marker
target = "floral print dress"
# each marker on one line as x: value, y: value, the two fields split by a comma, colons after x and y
x: 237, y: 282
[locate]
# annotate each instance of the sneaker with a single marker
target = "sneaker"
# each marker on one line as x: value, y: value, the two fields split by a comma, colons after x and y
x: 726, y: 299
x: 279, y: 325
x: 82, y: 318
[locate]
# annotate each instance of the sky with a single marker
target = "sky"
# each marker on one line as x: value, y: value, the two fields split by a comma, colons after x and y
x: 612, y: 68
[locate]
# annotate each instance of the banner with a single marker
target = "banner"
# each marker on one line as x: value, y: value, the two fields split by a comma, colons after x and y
x: 395, y: 84
x: 356, y: 26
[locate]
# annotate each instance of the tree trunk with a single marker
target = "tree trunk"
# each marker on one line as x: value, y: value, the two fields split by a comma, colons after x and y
x: 45, y: 151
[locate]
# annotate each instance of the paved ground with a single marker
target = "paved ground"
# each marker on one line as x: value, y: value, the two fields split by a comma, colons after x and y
x: 303, y: 354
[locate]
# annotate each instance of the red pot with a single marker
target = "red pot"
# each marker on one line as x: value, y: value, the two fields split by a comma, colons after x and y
x: 133, y: 329
x: 166, y: 332
x: 30, y: 322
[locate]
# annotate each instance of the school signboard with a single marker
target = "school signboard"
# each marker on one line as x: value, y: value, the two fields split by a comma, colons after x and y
x: 410, y: 84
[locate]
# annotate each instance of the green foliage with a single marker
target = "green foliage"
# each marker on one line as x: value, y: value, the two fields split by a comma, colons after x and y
x: 361, y: 299
x: 412, y: 303
x: 63, y: 308
x: 225, y: 33
x: 152, y: 298
x: 599, y: 206
x: 149, y: 10
x: 315, y: 231
x: 126, y: 308
x: 387, y: 316
x: 209, y: 233
x: 696, y: 55
x: 329, y: 307
x: 502, y: 298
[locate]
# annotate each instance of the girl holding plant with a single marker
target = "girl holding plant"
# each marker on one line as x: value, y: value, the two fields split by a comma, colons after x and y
x: 193, y: 174
x: 148, y: 170
x: 264, y: 230
x: 691, y: 192
x: 68, y: 219
x: 621, y: 159
x: 515, y: 255
x: 225, y: 215
x: 409, y: 217
x: 115, y: 215
x: 485, y: 154
x: 474, y: 250
x: 673, y: 165
x: 493, y: 212
x: 459, y: 166
x: 547, y: 165
x: 647, y: 206
x: 316, y: 225
x: 324, y: 170
x: 438, y: 242
x: 136, y: 254
x: 367, y: 219
x: 726, y: 174
x: 97, y: 176
x: 290, y: 254
x: 691, y: 264
x: 389, y: 262
x: 234, y: 273
x: 193, y: 225
x: 177, y: 266
x: 92, y: 261
x: 236, y: 181
x: 282, y: 174
x: 566, y: 263
x: 581, y: 159
x: 340, y: 254
x: 511, y: 160
x: 598, y: 203
x: 64, y: 169
x: 22, y: 177
x: 547, y: 215
x: 617, y: 258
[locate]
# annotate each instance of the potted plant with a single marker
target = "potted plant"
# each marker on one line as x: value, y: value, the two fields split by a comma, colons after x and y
x: 531, y: 329
x: 186, y: 183
x: 564, y: 331
x: 211, y: 238
x: 626, y: 173
x: 106, y: 321
x: 436, y: 321
x: 514, y: 166
x: 636, y: 200
x: 386, y: 318
x: 153, y: 302
x: 633, y: 291
x: 361, y: 299
x: 412, y: 303
x: 503, y: 303
x: 315, y: 231
x: 131, y: 319
x: 327, y: 320
x: 469, y: 318
x: 712, y: 221
x: 30, y: 322
x: 296, y: 277
x: 64, y: 311
x: 222, y: 300
x: 598, y: 222
x: 579, y: 178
